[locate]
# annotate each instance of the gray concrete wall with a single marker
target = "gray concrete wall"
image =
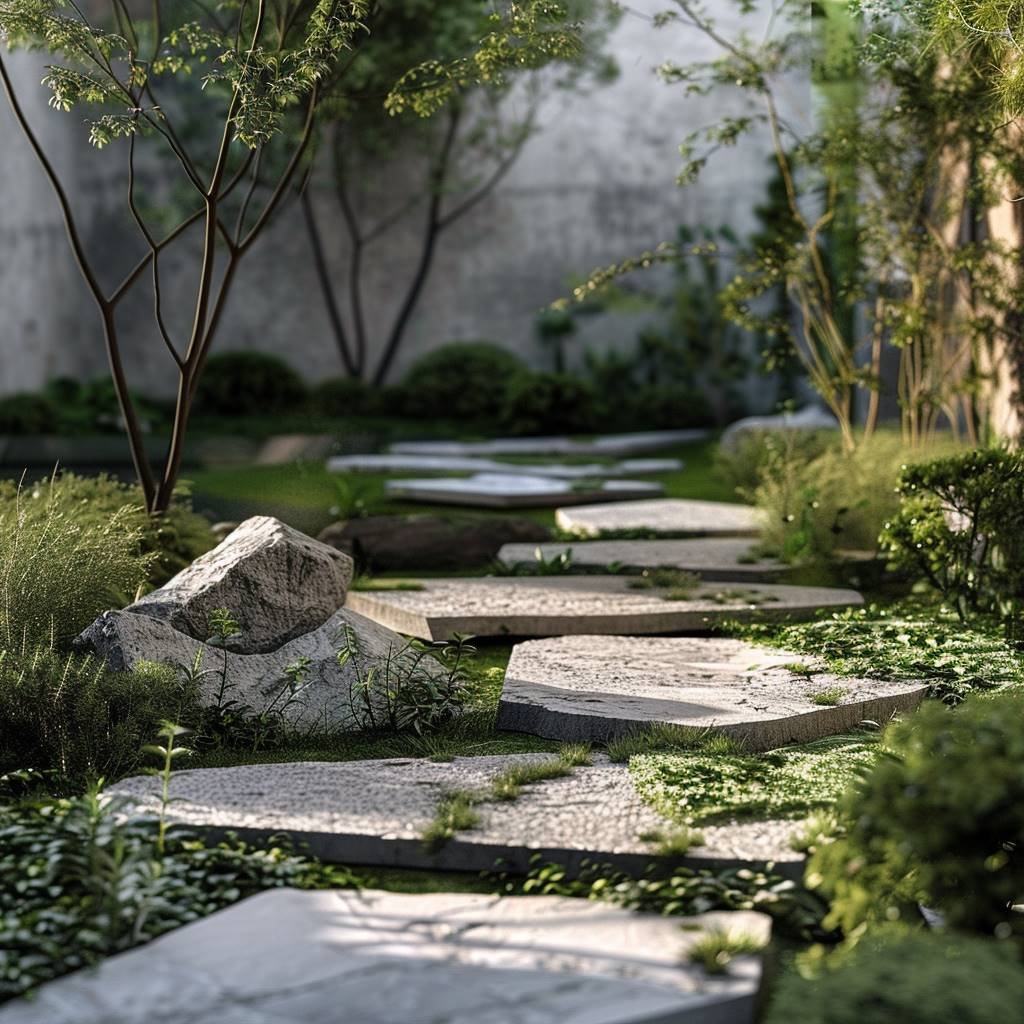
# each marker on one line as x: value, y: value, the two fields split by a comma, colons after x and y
x: 596, y: 184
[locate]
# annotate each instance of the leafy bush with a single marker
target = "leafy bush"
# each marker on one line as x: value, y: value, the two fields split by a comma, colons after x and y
x: 960, y: 526
x: 61, y: 563
x: 910, y: 976
x: 27, y: 414
x: 92, y: 405
x: 836, y: 500
x: 248, y: 384
x: 346, y: 396
x: 938, y: 822
x: 743, y: 461
x: 464, y: 380
x: 548, y: 403
x: 69, y: 715
x: 77, y: 884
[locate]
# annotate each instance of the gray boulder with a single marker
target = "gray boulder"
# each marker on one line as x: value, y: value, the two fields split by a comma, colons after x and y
x: 810, y: 417
x: 277, y: 582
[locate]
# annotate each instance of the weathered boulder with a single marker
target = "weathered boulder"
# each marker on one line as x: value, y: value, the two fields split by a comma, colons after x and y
x: 810, y: 417
x: 277, y: 582
x: 386, y: 543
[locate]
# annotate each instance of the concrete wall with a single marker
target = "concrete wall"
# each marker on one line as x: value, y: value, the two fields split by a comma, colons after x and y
x: 596, y: 184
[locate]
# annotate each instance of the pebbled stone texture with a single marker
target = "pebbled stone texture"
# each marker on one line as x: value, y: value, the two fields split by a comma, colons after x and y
x: 670, y: 516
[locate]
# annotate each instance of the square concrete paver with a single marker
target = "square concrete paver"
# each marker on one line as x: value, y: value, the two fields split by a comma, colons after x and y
x: 504, y: 490
x: 375, y: 812
x: 376, y: 957
x: 598, y: 687
x: 713, y: 558
x: 391, y: 462
x: 565, y: 605
x: 619, y: 445
x: 669, y: 516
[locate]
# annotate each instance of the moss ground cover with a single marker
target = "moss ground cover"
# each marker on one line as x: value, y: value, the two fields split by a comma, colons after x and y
x: 699, y: 788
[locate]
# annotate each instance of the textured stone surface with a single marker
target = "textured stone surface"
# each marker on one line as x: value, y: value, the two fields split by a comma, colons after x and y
x: 597, y: 687
x: 376, y: 957
x: 503, y: 490
x: 374, y: 812
x: 713, y: 558
x: 397, y: 462
x: 810, y: 417
x: 386, y: 543
x: 666, y: 516
x: 606, y: 444
x: 565, y: 605
x: 124, y: 638
x: 278, y: 584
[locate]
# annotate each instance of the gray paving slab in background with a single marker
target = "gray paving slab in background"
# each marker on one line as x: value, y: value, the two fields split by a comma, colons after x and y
x: 376, y: 957
x: 598, y: 687
x: 566, y: 605
x: 682, y: 516
x: 603, y: 445
x: 390, y: 462
x: 504, y: 490
x: 713, y: 558
x: 375, y: 812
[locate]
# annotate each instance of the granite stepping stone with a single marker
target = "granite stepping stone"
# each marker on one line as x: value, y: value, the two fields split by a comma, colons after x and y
x: 395, y: 462
x: 712, y: 558
x: 375, y: 812
x: 667, y: 516
x: 377, y: 957
x: 504, y: 490
x: 603, y: 445
x: 525, y: 606
x: 597, y: 687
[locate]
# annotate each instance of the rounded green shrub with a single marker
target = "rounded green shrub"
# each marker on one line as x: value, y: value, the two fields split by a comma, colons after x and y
x: 938, y: 822
x: 463, y: 380
x: 549, y: 403
x: 248, y: 384
x: 913, y: 977
x: 27, y: 414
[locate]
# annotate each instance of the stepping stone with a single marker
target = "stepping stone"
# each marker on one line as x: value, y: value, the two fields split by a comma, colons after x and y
x: 668, y: 516
x: 375, y: 812
x: 607, y: 444
x: 503, y: 490
x: 392, y: 462
x: 376, y: 957
x: 599, y: 687
x: 712, y: 558
x: 564, y: 605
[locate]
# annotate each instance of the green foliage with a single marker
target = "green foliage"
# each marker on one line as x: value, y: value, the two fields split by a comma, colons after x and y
x: 87, y: 407
x: 665, y: 737
x: 417, y: 688
x: 744, y: 461
x: 960, y: 526
x: 716, y: 950
x: 59, y: 568
x: 867, y: 643
x: 696, y: 788
x: 548, y: 403
x: 939, y: 822
x: 77, y: 883
x: 893, y: 975
x: 71, y: 716
x: 27, y: 414
x: 248, y: 384
x: 455, y: 812
x: 676, y: 584
x: 467, y: 380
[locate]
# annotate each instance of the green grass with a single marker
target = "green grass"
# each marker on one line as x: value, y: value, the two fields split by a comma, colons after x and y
x: 829, y: 696
x: 716, y: 950
x: 700, y: 788
x: 664, y: 737
x: 455, y: 812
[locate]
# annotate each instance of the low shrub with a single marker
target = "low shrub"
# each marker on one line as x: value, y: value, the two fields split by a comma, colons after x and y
x: 341, y: 397
x: 70, y: 716
x: 938, y: 822
x: 248, y: 384
x: 960, y: 526
x: 909, y: 976
x: 548, y: 403
x: 78, y: 883
x: 92, y: 406
x: 27, y: 414
x: 463, y: 380
x: 742, y: 462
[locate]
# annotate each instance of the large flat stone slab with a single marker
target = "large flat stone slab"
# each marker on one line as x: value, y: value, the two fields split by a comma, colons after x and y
x: 602, y: 445
x: 598, y: 687
x: 394, y: 462
x: 375, y: 812
x: 376, y: 957
x: 566, y: 605
x: 668, y: 516
x: 712, y: 558
x: 504, y: 490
